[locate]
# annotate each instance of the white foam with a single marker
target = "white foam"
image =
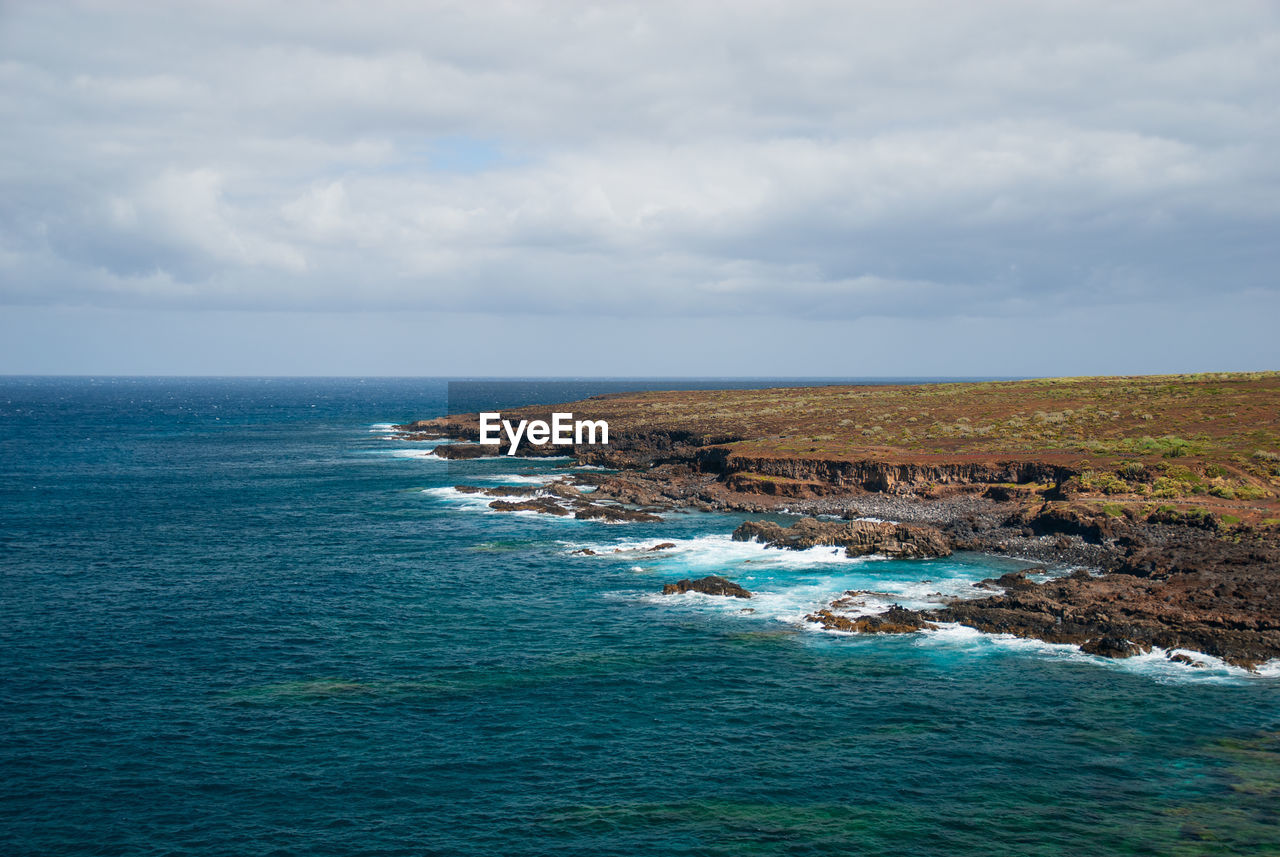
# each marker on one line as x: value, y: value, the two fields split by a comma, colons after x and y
x: 475, y: 501
x: 513, y: 479
x: 786, y: 585
x: 1155, y: 664
x: 719, y: 550
x: 502, y: 456
x: 426, y: 454
x: 1271, y: 669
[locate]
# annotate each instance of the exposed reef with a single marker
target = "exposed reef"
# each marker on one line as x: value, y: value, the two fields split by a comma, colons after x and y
x: 1222, y: 610
x: 895, y: 620
x: 710, y: 585
x: 557, y: 498
x: 858, y: 538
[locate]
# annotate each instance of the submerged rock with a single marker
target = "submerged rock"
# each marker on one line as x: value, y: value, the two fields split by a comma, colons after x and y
x: 710, y: 585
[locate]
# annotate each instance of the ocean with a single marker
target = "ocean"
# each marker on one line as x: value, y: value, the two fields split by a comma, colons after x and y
x: 240, y: 618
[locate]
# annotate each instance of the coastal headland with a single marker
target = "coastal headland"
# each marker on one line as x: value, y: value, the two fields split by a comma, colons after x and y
x: 1164, y: 489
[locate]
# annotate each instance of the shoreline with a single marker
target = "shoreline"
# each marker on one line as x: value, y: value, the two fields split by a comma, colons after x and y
x: 1164, y: 575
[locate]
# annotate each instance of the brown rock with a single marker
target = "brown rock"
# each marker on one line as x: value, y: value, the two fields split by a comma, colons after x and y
x: 510, y: 491
x: 1113, y: 647
x: 591, y: 511
x: 858, y: 538
x: 538, y: 504
x: 710, y: 585
x: 895, y: 620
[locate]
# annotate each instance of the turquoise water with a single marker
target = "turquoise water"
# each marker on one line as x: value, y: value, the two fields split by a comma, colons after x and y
x: 238, y: 620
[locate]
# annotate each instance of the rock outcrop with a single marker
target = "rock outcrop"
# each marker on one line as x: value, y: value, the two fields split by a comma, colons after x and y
x: 559, y: 499
x: 539, y: 504
x: 895, y: 620
x: 710, y: 585
x: 858, y: 538
x: 1225, y: 613
x: 593, y: 512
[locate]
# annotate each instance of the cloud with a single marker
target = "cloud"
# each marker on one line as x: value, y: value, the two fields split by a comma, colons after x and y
x: 812, y: 160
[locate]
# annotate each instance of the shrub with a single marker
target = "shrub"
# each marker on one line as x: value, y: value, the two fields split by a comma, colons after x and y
x: 1135, y: 471
x: 1169, y: 446
x: 1181, y: 473
x: 1104, y: 481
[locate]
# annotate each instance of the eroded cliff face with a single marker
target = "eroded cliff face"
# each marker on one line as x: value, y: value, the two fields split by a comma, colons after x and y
x: 888, y: 476
x: 783, y: 476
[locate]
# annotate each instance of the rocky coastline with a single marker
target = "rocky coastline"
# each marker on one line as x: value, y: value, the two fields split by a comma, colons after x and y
x: 1146, y: 575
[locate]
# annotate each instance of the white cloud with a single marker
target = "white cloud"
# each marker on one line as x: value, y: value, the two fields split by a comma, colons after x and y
x: 812, y: 159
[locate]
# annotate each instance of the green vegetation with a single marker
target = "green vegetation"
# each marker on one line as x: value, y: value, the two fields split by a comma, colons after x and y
x: 1211, y: 437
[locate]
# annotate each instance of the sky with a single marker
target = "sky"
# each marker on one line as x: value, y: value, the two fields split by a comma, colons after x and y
x: 658, y: 188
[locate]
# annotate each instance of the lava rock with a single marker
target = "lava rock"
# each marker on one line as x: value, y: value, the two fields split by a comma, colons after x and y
x: 538, y: 504
x: 710, y: 585
x: 1113, y: 647
x: 858, y: 538
x: 895, y: 620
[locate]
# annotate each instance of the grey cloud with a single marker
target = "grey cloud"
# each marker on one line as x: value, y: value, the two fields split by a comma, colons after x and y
x: 813, y: 160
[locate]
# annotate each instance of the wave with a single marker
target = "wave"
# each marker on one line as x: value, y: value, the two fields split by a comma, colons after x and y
x: 1155, y: 664
x: 923, y: 582
x: 518, y: 479
x: 427, y: 454
x: 477, y: 502
x: 718, y: 549
x: 788, y: 585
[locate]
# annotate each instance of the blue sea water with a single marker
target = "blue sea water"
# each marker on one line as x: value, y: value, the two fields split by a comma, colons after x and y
x: 237, y: 619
